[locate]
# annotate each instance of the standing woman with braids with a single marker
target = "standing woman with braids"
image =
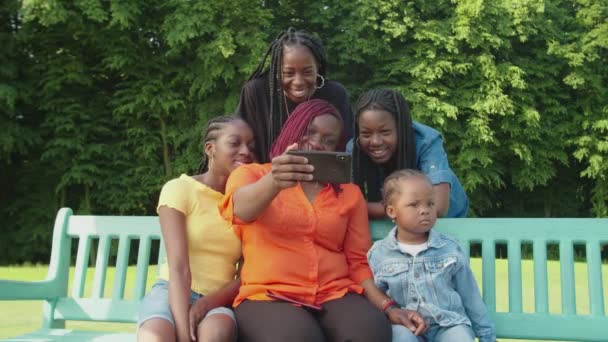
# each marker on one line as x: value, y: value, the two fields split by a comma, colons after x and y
x: 296, y: 72
x: 197, y: 284
x: 386, y: 140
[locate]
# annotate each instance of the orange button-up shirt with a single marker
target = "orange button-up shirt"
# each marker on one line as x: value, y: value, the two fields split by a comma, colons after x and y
x: 312, y: 252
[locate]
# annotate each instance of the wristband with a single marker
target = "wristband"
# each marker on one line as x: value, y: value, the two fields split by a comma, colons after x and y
x: 387, y: 304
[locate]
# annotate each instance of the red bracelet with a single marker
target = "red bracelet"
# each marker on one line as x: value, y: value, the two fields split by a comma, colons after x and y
x: 387, y: 304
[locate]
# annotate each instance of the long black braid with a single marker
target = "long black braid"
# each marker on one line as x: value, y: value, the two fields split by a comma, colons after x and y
x: 368, y: 175
x: 278, y: 112
x: 211, y: 133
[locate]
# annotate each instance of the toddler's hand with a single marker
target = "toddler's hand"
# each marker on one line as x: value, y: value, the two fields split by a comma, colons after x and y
x: 409, y: 319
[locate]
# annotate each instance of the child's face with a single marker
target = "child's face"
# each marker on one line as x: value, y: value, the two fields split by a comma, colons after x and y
x: 413, y: 210
x: 377, y: 135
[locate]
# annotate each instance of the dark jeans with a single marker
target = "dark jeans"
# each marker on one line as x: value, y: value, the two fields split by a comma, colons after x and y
x: 351, y: 318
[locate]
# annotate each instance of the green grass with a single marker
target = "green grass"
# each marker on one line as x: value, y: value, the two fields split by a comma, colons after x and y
x: 19, y: 317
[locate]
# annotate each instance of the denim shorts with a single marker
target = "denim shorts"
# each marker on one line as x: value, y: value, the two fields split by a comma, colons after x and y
x: 156, y: 305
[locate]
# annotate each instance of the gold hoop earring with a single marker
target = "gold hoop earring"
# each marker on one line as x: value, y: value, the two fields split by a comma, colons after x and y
x: 322, y: 82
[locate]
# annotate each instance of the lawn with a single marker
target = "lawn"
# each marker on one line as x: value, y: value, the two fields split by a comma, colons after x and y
x: 23, y: 316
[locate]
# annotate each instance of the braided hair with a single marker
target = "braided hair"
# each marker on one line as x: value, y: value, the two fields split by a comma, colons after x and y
x: 367, y: 174
x: 391, y: 183
x: 298, y: 123
x: 211, y: 133
x: 278, y: 113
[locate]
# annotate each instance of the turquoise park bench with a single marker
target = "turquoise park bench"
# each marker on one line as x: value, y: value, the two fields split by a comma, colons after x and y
x: 111, y: 305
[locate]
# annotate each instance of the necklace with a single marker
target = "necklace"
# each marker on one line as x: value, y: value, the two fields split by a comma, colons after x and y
x: 287, y: 106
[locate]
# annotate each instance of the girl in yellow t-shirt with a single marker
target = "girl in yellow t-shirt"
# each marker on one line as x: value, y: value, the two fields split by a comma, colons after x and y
x: 197, y: 284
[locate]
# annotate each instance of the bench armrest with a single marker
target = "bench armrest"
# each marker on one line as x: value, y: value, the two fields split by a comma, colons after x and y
x: 29, y: 290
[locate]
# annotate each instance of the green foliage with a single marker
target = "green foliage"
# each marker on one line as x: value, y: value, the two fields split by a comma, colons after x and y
x: 101, y: 102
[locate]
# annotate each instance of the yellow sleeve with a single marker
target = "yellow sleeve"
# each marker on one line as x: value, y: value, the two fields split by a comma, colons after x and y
x: 176, y: 195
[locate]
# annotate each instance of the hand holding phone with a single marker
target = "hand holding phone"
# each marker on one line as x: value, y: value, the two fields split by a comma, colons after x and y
x: 330, y: 167
x: 288, y: 170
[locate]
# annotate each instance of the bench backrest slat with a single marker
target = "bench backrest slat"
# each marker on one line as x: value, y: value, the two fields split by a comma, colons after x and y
x: 488, y: 273
x: 515, y: 281
x: 82, y: 264
x: 594, y: 275
x: 161, y: 256
x: 143, y: 262
x: 541, y: 288
x: 101, y: 266
x: 566, y: 258
x: 122, y: 261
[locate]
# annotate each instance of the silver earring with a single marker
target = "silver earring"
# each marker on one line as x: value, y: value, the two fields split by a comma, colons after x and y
x: 322, y: 82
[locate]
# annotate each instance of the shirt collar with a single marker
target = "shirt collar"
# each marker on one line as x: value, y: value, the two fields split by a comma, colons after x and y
x: 434, y: 241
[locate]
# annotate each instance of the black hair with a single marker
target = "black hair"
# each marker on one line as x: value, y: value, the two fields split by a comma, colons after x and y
x: 211, y: 133
x: 391, y: 183
x: 367, y: 174
x: 290, y: 37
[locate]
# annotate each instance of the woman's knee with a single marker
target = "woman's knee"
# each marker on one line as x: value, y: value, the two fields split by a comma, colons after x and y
x: 217, y: 328
x: 156, y: 329
x: 354, y: 318
x: 276, y: 321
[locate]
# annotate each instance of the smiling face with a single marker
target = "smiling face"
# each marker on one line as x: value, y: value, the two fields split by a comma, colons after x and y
x: 299, y: 73
x: 323, y: 134
x: 233, y: 147
x: 412, y: 207
x: 377, y: 135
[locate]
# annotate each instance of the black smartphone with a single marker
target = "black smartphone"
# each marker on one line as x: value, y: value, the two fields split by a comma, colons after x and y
x: 330, y: 167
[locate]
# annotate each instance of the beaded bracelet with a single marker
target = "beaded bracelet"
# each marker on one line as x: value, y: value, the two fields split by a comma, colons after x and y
x: 387, y: 304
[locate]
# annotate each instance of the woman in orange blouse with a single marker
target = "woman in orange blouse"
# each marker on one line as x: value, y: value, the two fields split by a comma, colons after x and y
x: 305, y: 242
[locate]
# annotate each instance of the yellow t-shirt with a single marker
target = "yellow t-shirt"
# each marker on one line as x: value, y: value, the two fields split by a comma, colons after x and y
x: 213, y: 248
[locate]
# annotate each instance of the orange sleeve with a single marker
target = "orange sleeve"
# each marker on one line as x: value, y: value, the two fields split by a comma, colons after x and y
x: 358, y: 240
x: 241, y: 176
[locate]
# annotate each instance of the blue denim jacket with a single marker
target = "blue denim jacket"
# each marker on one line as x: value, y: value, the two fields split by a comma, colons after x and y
x: 433, y: 161
x: 438, y: 283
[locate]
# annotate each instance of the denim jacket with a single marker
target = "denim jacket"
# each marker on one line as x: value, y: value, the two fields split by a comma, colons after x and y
x: 438, y: 283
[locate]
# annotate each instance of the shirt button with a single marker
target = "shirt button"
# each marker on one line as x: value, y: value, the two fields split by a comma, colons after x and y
x: 416, y: 275
x: 390, y: 269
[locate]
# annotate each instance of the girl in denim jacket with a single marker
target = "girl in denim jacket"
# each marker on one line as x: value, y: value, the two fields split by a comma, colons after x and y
x: 424, y: 270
